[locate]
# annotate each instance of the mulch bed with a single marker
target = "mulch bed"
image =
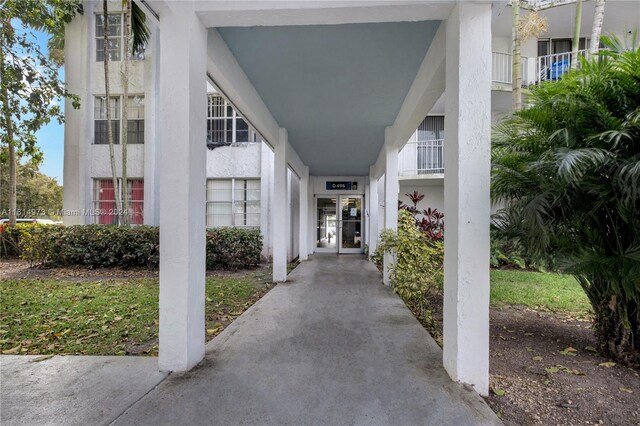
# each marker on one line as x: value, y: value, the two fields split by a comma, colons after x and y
x: 546, y: 370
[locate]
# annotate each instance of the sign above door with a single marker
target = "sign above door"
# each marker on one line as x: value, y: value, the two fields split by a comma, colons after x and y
x: 341, y: 186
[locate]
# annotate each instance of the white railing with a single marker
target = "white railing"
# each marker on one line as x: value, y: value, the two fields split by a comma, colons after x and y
x: 421, y: 158
x: 534, y: 70
x: 502, y: 66
x: 553, y: 67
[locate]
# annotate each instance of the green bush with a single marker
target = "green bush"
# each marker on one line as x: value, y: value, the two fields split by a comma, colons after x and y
x: 101, y: 246
x: 233, y: 248
x: 9, y: 240
x: 418, y: 270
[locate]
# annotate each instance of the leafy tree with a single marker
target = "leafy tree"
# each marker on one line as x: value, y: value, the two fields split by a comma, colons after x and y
x: 38, y: 194
x: 567, y: 170
x: 30, y: 85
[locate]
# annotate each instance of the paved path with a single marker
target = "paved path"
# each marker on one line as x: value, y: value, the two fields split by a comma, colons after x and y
x: 332, y: 346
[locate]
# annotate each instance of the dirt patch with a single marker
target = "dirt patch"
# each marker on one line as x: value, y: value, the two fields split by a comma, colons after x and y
x: 549, y: 373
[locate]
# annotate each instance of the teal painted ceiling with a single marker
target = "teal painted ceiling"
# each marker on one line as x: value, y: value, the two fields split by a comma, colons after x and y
x: 333, y: 87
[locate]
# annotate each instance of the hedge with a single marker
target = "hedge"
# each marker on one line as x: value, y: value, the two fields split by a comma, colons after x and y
x: 103, y: 246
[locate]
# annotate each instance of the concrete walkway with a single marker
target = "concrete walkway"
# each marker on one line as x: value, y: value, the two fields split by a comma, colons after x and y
x: 331, y: 346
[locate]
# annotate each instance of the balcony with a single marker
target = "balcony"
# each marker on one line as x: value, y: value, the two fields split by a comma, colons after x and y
x: 422, y: 159
x: 534, y: 70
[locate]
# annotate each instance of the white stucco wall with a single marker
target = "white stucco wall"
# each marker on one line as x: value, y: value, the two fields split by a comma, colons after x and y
x: 433, y: 195
x: 237, y: 161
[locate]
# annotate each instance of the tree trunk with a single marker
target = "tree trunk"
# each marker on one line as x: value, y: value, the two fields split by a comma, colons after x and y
x: 616, y: 320
x: 576, y: 35
x: 107, y: 90
x: 598, y: 19
x: 8, y: 124
x: 125, y: 111
x: 516, y: 66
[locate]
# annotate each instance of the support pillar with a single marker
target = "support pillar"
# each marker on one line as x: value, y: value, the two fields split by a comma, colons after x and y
x: 466, y: 194
x: 280, y: 206
x: 373, y: 213
x: 304, y: 215
x: 183, y: 95
x: 391, y: 189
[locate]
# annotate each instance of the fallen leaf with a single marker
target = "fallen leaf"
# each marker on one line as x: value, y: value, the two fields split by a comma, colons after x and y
x: 607, y: 364
x: 528, y: 334
x: 590, y: 349
x: 42, y: 358
x: 530, y: 349
x: 14, y: 350
x: 537, y: 358
x: 627, y: 390
x: 569, y: 351
x: 552, y: 370
x: 498, y: 392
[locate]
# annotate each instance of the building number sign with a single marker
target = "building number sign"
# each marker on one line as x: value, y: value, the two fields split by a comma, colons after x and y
x: 343, y: 186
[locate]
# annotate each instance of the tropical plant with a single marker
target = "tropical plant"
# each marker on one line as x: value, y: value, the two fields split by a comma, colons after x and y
x: 430, y: 221
x: 567, y: 170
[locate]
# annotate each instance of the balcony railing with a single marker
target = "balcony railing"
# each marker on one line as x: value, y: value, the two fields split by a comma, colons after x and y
x: 534, y: 70
x: 422, y: 158
x: 502, y: 68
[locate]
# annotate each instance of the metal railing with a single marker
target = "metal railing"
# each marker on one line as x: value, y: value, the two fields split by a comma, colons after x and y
x: 553, y: 67
x: 502, y: 68
x: 534, y: 70
x: 421, y: 158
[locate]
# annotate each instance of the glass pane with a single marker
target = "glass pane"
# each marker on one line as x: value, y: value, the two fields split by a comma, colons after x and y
x: 135, y: 107
x: 326, y: 226
x: 219, y: 190
x: 351, y: 212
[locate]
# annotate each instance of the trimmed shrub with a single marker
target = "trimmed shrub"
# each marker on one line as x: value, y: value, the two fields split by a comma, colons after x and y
x: 102, y: 246
x: 233, y: 248
x: 9, y: 240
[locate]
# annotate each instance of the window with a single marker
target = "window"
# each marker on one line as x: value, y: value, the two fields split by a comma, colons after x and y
x: 430, y: 145
x: 135, y: 124
x: 115, y: 43
x: 233, y: 202
x: 115, y: 39
x: 224, y: 125
x: 104, y: 200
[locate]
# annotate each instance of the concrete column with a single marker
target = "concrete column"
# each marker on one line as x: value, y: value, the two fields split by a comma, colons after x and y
x: 266, y: 199
x: 280, y: 206
x: 77, y: 138
x: 391, y: 188
x: 183, y: 91
x: 151, y: 125
x: 373, y: 213
x: 304, y: 215
x: 466, y: 194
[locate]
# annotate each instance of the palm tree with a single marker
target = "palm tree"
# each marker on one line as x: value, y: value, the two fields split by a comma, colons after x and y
x: 596, y: 29
x: 568, y: 172
x: 575, y: 46
x: 135, y: 39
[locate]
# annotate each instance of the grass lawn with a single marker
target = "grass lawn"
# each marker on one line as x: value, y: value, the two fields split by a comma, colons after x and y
x: 538, y: 290
x: 109, y: 317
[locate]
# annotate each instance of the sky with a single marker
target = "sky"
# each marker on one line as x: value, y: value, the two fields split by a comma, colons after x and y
x: 51, y: 137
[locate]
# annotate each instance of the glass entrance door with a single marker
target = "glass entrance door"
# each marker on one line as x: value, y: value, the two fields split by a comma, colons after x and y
x: 339, y: 224
x: 326, y: 230
x: 350, y: 224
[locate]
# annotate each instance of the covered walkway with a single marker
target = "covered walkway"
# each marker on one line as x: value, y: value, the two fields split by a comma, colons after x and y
x: 333, y: 345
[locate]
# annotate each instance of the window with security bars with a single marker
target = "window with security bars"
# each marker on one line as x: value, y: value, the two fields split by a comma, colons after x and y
x: 225, y: 125
x: 104, y: 201
x: 115, y: 38
x: 430, y: 145
x: 233, y: 202
x: 135, y: 119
